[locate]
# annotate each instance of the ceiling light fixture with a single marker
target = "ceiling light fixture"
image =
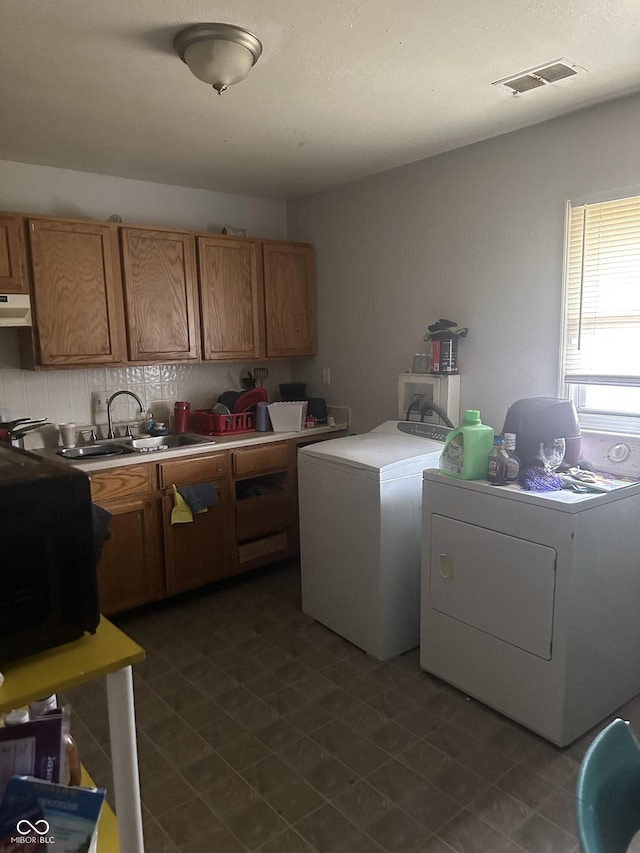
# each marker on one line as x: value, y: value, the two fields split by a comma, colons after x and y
x: 218, y: 54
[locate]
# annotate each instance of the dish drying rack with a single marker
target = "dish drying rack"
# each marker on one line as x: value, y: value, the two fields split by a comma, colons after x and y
x: 209, y: 424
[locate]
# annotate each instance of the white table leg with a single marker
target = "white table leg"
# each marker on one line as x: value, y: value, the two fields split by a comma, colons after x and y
x: 124, y: 753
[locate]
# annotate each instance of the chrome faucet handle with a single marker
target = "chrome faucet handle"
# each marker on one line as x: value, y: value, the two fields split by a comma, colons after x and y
x: 91, y: 433
x: 128, y: 432
x: 110, y: 432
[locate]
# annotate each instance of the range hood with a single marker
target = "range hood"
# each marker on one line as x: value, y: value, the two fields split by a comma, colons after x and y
x: 15, y: 310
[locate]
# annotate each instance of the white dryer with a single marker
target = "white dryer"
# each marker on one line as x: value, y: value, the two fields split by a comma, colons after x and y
x: 530, y: 601
x: 360, y: 526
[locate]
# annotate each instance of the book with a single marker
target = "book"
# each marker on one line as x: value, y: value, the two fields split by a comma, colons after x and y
x: 64, y: 818
x: 32, y: 749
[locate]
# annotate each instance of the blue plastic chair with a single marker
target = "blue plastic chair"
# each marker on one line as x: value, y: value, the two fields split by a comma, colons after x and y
x: 608, y: 791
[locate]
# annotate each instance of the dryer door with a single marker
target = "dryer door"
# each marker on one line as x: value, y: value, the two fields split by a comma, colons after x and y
x: 495, y: 583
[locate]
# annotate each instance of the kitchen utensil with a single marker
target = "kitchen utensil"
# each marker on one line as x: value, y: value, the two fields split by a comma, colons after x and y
x: 13, y: 431
x: 248, y: 382
x: 262, y: 417
x: 551, y: 453
x: 221, y: 409
x: 181, y: 412
x: 248, y: 400
x: 11, y: 425
x: 228, y: 398
x: 68, y: 434
x: 261, y: 374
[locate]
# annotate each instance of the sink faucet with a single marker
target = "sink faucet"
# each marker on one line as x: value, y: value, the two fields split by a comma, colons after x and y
x: 111, y: 433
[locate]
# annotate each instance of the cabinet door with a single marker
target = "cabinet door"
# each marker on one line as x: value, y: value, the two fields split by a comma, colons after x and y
x: 290, y: 308
x: 11, y: 255
x: 198, y: 552
x: 231, y: 298
x: 130, y: 571
x: 160, y: 294
x: 76, y: 292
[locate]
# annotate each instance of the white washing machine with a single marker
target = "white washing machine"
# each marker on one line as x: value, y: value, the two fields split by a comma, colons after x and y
x: 360, y: 527
x: 531, y: 602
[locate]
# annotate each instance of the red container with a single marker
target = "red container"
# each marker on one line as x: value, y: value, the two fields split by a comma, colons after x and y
x: 181, y: 415
x: 209, y: 424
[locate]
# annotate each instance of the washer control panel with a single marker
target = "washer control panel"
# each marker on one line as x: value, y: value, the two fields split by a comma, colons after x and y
x: 433, y: 431
x: 612, y: 453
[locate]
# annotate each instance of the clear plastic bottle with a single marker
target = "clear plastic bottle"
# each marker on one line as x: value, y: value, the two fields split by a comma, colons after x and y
x: 497, y: 462
x: 513, y: 462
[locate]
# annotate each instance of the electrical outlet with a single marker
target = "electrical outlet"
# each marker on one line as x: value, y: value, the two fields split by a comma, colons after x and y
x: 99, y: 406
x: 326, y: 376
x: 99, y: 402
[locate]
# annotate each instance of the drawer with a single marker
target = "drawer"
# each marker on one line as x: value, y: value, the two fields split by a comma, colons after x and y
x: 276, y: 544
x: 121, y: 482
x: 263, y: 514
x: 255, y: 460
x: 199, y: 470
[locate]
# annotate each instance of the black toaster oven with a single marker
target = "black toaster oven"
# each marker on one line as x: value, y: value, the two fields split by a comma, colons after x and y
x: 48, y: 580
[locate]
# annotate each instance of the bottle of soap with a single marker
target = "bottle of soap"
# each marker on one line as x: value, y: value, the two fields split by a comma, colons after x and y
x: 466, y: 450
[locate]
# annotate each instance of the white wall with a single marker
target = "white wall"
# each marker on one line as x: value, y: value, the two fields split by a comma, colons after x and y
x: 61, y: 192
x: 475, y: 235
x: 64, y: 395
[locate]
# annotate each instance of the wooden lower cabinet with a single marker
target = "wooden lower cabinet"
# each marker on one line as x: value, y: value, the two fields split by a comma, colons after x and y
x: 197, y: 552
x: 264, y: 504
x: 254, y: 522
x: 130, y: 572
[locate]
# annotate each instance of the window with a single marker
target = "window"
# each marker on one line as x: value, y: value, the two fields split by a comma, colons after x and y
x: 601, y: 348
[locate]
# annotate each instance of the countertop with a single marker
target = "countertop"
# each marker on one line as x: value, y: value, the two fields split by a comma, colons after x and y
x: 210, y: 444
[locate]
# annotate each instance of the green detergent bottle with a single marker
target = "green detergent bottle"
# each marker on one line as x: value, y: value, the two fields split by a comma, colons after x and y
x: 466, y: 450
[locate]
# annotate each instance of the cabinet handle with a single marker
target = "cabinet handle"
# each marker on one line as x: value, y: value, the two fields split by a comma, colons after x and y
x: 446, y: 567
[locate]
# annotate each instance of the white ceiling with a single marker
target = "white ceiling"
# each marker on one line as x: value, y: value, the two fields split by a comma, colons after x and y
x: 344, y: 89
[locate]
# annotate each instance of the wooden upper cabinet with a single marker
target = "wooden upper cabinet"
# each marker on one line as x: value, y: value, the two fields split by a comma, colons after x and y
x: 12, y: 278
x: 289, y: 294
x: 231, y: 298
x: 77, y: 297
x: 160, y: 294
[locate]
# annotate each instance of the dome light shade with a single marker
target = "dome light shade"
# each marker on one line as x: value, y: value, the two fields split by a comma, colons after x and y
x: 218, y: 54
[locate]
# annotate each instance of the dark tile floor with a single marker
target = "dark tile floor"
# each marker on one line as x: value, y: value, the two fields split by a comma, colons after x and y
x: 260, y: 730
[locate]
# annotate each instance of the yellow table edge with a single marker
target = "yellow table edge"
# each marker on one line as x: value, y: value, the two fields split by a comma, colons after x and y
x: 62, y: 667
x: 107, y: 823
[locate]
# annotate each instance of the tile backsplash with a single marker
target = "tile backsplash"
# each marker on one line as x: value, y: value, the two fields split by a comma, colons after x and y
x: 65, y: 395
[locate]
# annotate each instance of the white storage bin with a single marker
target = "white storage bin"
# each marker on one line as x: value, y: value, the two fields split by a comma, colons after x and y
x: 288, y: 416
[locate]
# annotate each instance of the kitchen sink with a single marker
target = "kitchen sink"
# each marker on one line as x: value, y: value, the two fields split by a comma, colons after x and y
x: 92, y: 451
x: 118, y: 446
x: 164, y: 442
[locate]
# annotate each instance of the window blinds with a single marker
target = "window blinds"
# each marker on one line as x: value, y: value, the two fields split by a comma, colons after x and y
x: 602, y: 294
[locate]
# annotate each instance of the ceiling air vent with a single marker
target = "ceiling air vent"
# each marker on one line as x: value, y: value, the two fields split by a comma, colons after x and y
x: 534, y: 78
